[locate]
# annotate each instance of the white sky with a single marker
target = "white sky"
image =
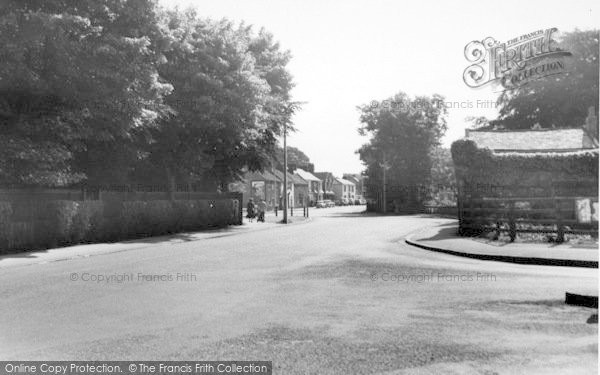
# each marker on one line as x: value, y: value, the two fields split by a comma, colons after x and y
x: 347, y: 53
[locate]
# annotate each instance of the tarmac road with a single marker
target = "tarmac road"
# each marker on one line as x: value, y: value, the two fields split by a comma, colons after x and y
x: 339, y: 294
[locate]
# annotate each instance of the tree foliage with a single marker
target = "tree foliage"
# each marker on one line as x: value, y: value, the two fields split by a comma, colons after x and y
x: 121, y: 91
x: 402, y: 140
x: 512, y: 171
x: 561, y: 100
x: 442, y: 169
x: 296, y: 158
x: 72, y: 74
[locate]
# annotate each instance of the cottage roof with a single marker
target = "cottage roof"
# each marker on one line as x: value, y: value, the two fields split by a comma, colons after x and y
x: 279, y: 175
x: 558, y: 140
x: 306, y: 175
x: 260, y: 176
x: 324, y: 175
x: 344, y: 182
x: 299, y: 180
x: 351, y: 178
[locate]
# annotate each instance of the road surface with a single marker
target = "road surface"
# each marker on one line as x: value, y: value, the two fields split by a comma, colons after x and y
x: 340, y: 294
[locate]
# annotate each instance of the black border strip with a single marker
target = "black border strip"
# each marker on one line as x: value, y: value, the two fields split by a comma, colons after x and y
x: 509, y: 259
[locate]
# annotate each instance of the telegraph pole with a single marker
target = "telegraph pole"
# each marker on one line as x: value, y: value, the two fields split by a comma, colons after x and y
x: 285, y: 167
x: 384, y: 187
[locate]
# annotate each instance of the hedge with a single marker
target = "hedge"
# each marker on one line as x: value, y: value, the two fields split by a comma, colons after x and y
x: 474, y: 165
x: 36, y: 225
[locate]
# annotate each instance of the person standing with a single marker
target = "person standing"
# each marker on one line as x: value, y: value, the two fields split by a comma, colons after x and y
x: 262, y: 209
x: 250, y: 210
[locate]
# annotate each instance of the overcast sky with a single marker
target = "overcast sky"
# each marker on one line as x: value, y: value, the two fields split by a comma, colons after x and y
x: 347, y: 53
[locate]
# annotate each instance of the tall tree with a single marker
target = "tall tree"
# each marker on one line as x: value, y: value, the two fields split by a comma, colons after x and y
x: 560, y: 100
x: 442, y: 169
x: 230, y: 101
x: 402, y: 140
x: 296, y: 157
x: 74, y: 75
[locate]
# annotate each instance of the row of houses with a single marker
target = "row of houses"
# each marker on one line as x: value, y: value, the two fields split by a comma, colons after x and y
x: 303, y: 187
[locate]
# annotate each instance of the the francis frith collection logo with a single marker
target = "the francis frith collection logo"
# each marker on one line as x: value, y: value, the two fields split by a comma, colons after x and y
x: 516, y: 62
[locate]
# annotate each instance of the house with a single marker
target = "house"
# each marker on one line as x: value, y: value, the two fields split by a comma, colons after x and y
x: 290, y: 188
x: 259, y: 185
x: 359, y: 181
x: 327, y: 179
x: 300, y: 191
x: 344, y: 189
x: 505, y: 176
x: 538, y: 140
x: 529, y: 141
x: 515, y: 150
x: 315, y: 186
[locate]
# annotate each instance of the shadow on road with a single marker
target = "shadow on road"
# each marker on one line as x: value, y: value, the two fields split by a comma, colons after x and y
x: 189, y: 236
x: 140, y: 240
x: 353, y: 214
x: 442, y: 232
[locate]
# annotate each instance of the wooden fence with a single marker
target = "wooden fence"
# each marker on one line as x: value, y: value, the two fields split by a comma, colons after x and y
x: 441, y: 210
x: 558, y: 215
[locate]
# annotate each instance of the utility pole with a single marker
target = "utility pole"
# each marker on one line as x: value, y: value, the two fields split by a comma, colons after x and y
x: 285, y: 167
x: 384, y: 187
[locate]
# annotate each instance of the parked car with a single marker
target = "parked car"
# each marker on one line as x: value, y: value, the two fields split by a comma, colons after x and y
x: 321, y: 204
x: 363, y: 201
x: 329, y: 203
x: 345, y: 201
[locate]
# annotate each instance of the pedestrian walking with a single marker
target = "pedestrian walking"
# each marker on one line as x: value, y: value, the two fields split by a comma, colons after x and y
x: 262, y: 208
x: 251, y: 210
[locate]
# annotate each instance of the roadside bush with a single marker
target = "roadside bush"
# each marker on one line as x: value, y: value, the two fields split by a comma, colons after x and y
x: 57, y: 222
x: 132, y: 219
x: 155, y: 218
x: 203, y: 214
x: 479, y: 165
x: 87, y: 222
x: 6, y: 212
x: 160, y: 218
x: 482, y: 173
x: 224, y: 212
x: 186, y: 215
x: 36, y: 224
x: 110, y: 227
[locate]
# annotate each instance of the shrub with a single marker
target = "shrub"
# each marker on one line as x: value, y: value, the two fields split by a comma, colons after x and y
x: 39, y: 224
x: 510, y: 168
x: 152, y: 218
x: 6, y: 212
x: 88, y: 221
x: 203, y: 214
x: 159, y: 217
x: 483, y: 173
x: 57, y: 221
x: 131, y: 219
x: 185, y: 215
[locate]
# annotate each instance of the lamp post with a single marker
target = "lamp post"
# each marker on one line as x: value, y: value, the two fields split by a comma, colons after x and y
x: 285, y: 196
x: 290, y: 109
